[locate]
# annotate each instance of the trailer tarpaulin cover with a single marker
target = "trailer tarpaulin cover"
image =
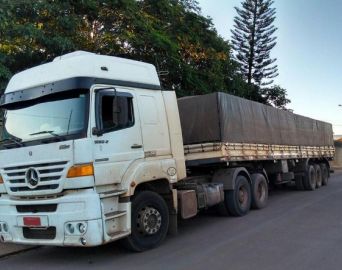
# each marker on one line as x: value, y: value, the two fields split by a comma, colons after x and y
x: 220, y: 117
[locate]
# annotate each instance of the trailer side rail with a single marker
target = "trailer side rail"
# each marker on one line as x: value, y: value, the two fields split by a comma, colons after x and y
x: 247, y: 151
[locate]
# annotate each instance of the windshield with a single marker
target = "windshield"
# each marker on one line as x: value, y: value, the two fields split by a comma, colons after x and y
x: 54, y: 116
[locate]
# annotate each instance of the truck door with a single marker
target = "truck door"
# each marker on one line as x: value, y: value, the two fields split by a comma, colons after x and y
x: 117, y: 136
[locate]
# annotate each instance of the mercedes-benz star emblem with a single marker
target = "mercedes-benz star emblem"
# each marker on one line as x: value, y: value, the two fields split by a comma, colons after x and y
x: 32, y: 177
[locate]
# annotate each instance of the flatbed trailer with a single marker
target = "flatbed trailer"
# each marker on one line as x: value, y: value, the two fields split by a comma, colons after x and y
x: 230, y: 140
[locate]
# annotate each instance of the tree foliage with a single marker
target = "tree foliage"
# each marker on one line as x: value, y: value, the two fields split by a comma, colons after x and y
x: 253, y: 39
x: 190, y: 56
x: 275, y: 96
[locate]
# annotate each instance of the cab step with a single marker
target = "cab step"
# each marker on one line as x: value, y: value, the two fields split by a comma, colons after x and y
x: 114, y: 214
x: 119, y: 234
x: 112, y: 193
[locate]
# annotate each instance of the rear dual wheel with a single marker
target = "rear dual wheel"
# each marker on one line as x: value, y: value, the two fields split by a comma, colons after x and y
x: 238, y: 201
x: 318, y: 175
x: 245, y: 195
x: 325, y: 174
x: 309, y: 179
x: 259, y: 191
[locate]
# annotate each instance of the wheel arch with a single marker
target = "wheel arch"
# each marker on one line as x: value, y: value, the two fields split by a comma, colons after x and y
x: 228, y: 176
x: 326, y: 162
x: 302, y: 165
x: 142, y: 173
x: 160, y: 186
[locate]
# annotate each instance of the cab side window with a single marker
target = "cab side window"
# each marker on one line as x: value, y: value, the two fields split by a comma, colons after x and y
x: 116, y: 112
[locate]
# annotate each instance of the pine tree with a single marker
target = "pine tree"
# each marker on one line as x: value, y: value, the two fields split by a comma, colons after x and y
x: 253, y: 39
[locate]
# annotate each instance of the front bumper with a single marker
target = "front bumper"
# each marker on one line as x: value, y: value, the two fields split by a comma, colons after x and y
x: 79, y: 207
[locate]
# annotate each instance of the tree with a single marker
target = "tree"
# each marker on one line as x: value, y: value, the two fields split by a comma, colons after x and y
x: 275, y: 95
x: 253, y: 39
x: 171, y: 34
x: 190, y: 56
x: 32, y: 33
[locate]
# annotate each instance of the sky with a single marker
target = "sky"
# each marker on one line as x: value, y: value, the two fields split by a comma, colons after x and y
x: 308, y: 52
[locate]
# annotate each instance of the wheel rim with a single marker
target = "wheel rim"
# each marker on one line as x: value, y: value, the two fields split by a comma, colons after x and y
x: 261, y: 192
x: 149, y: 221
x: 324, y: 176
x: 243, y: 197
x: 319, y: 178
x: 313, y: 178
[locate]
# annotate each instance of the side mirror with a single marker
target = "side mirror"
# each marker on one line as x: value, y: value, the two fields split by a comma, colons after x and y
x: 96, y: 131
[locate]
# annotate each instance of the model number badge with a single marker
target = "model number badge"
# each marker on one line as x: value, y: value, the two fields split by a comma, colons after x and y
x: 101, y: 141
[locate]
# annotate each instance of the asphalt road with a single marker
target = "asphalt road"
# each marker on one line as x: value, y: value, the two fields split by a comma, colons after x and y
x: 297, y: 230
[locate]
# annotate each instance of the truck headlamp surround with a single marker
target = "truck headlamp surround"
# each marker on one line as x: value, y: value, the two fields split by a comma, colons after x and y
x: 81, y: 170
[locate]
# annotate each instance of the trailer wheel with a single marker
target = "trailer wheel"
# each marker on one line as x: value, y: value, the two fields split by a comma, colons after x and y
x: 318, y: 176
x: 259, y: 191
x: 150, y: 221
x: 238, y: 201
x: 309, y: 179
x: 325, y: 174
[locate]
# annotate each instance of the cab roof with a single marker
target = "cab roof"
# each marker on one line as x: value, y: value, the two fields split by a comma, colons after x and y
x: 85, y: 64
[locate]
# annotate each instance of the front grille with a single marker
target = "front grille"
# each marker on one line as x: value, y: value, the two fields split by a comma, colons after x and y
x: 50, y: 175
x: 43, y: 208
x: 40, y: 233
x: 44, y: 187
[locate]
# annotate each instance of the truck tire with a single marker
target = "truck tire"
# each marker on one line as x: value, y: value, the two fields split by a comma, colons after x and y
x: 318, y: 176
x: 238, y: 201
x: 259, y: 191
x: 309, y: 179
x: 325, y: 174
x: 149, y: 222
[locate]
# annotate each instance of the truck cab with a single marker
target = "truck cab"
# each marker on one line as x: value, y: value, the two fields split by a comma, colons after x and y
x: 83, y: 133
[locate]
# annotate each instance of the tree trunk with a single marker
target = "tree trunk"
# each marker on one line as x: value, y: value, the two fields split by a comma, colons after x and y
x: 251, y: 56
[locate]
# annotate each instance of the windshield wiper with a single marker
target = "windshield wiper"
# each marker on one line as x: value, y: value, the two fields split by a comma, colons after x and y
x: 45, y: 132
x: 14, y: 139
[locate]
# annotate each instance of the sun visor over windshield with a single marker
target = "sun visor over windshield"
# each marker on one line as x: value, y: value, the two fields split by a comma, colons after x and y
x: 65, y: 85
x: 47, y: 89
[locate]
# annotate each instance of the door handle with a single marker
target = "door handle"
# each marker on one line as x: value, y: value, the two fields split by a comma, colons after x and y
x: 136, y: 146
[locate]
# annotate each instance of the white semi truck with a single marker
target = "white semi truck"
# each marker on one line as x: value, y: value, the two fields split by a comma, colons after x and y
x: 93, y: 152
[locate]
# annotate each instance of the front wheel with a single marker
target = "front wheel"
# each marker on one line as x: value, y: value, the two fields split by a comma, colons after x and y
x: 238, y: 201
x: 149, y: 223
